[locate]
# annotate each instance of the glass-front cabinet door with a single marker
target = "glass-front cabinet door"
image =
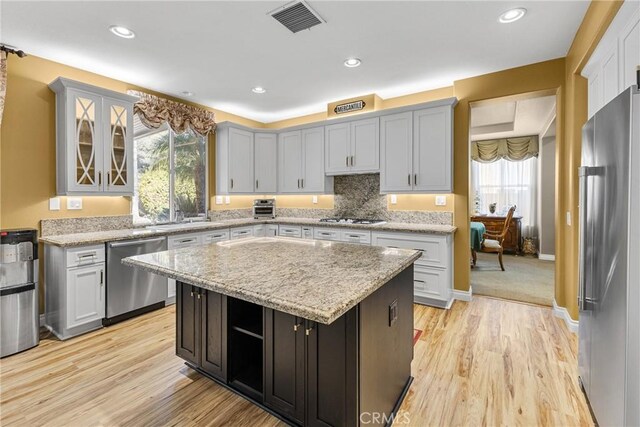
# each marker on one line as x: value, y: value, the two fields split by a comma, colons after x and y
x: 84, y: 158
x: 118, y: 147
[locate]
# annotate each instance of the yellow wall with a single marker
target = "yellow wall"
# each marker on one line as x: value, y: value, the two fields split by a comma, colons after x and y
x: 28, y: 160
x: 594, y: 25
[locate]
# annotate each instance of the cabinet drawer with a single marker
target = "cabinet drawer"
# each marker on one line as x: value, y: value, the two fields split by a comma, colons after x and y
x: 435, y: 249
x: 183, y: 240
x: 356, y: 236
x: 85, y: 255
x: 259, y: 230
x: 241, y: 233
x: 215, y: 236
x: 307, y: 232
x: 430, y: 283
x: 289, y: 231
x: 272, y: 230
x: 326, y: 234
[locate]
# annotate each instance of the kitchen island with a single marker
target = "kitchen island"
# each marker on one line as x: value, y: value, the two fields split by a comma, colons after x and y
x: 318, y: 333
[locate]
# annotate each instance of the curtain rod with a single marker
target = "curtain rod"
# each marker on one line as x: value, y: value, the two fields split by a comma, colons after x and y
x: 12, y: 49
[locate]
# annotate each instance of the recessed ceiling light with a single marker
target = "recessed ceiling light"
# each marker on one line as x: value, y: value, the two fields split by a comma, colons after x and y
x: 352, y: 62
x: 512, y: 15
x: 123, y: 32
x: 258, y: 89
x: 187, y: 93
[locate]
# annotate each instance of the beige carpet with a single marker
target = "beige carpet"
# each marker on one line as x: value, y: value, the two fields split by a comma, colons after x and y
x: 526, y: 279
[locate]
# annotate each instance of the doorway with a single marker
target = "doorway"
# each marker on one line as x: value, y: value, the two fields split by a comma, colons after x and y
x: 512, y: 187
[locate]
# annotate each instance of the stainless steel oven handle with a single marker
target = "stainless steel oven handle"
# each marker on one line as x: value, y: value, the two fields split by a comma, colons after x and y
x: 136, y: 242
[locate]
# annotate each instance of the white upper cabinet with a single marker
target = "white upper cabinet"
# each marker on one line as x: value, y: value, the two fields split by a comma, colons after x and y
x: 353, y: 147
x: 396, y: 146
x: 118, y: 149
x: 432, y: 150
x: 266, y: 162
x: 337, y: 148
x: 290, y: 161
x: 301, y: 162
x: 313, y: 177
x: 612, y: 67
x: 240, y: 160
x: 416, y: 151
x: 94, y: 151
x: 246, y: 162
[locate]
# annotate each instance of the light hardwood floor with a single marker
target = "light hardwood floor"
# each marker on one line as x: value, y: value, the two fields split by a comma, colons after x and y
x: 488, y: 362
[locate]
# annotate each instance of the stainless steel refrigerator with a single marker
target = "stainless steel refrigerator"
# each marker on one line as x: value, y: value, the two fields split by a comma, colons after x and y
x: 609, y: 288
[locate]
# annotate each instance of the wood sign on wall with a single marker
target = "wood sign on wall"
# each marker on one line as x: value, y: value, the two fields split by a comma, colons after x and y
x: 361, y: 104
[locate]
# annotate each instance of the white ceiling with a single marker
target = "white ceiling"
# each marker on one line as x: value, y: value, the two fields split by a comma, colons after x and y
x: 221, y: 49
x: 512, y: 118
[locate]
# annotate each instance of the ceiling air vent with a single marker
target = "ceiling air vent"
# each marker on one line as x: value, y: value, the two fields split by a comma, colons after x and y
x: 297, y: 16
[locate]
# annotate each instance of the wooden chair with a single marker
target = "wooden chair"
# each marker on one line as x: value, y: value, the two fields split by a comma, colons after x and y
x: 492, y: 243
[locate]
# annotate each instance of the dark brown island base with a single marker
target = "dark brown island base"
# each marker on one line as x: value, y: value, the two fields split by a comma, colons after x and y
x: 316, y: 370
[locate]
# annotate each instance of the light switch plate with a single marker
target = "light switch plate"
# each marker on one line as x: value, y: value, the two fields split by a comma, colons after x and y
x: 74, y: 203
x: 227, y: 199
x: 394, y: 199
x: 54, y: 204
x: 219, y: 200
x: 441, y: 200
x: 315, y: 199
x: 568, y: 218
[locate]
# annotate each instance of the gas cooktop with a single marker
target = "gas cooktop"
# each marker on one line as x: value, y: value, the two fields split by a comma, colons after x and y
x: 353, y: 221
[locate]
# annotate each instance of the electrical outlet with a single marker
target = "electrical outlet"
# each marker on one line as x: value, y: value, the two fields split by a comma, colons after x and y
x: 74, y: 203
x: 568, y: 218
x: 54, y: 204
x: 441, y: 200
x: 315, y: 199
x: 394, y: 199
x: 227, y: 199
x: 219, y: 200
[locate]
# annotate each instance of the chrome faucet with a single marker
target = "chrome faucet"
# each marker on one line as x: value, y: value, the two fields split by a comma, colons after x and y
x: 179, y: 216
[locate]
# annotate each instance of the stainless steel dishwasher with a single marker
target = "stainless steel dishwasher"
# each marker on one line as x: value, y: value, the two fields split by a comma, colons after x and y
x: 132, y: 291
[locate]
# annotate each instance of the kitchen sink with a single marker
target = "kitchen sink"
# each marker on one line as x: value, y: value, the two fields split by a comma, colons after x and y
x: 182, y: 226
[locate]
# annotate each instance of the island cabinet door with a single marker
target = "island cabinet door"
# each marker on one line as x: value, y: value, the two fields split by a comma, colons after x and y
x: 188, y: 323
x: 284, y: 364
x: 332, y: 372
x: 213, y: 357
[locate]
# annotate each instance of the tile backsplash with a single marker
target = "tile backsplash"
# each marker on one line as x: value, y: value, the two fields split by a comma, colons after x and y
x: 358, y: 196
x: 355, y: 196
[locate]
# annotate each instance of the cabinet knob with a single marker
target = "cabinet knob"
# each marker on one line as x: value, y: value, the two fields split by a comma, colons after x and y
x: 415, y: 179
x: 297, y: 326
x: 198, y: 295
x: 308, y: 331
x: 409, y: 179
x: 351, y: 160
x: 346, y: 161
x: 192, y: 294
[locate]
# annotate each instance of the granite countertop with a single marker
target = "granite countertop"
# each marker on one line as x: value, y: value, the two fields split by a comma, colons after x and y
x: 88, y: 238
x: 315, y: 280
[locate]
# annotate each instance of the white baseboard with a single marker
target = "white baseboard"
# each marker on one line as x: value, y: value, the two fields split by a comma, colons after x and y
x: 462, y: 295
x: 562, y: 313
x: 546, y: 257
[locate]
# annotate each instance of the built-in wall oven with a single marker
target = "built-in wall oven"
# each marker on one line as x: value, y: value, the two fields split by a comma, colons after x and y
x: 132, y: 291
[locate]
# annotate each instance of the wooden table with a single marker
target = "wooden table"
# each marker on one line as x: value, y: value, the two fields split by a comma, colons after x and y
x: 494, y: 223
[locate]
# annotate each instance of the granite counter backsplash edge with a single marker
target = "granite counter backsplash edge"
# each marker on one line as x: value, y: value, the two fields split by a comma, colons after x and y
x: 410, y: 217
x: 57, y: 226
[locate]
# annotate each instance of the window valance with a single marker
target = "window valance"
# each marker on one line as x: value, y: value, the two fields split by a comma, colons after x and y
x: 153, y: 111
x: 513, y: 149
